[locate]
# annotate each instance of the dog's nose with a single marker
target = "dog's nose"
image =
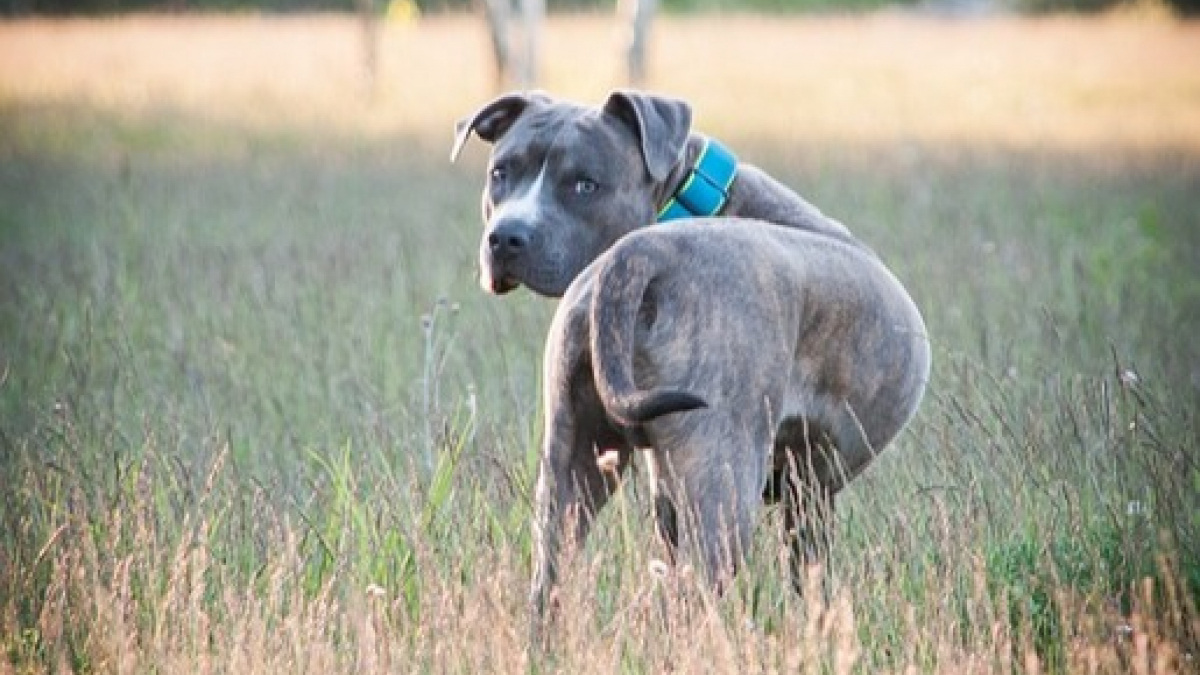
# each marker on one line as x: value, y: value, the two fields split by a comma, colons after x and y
x: 508, y: 239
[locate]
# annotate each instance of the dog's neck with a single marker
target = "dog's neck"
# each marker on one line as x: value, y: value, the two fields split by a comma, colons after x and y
x: 702, y: 181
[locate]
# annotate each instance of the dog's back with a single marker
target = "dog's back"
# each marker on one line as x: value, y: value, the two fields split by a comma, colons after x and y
x: 710, y: 312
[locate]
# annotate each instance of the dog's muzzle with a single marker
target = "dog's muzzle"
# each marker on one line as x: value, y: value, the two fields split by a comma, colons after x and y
x: 508, y: 240
x: 504, y: 255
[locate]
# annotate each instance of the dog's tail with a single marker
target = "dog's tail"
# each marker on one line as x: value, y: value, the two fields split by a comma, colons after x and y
x: 618, y: 300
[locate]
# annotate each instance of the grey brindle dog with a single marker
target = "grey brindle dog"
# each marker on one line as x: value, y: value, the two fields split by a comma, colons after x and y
x: 761, y: 354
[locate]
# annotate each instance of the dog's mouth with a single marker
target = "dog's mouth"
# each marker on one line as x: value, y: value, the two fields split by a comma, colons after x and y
x: 504, y: 285
x: 498, y: 285
x: 501, y: 277
x: 494, y: 278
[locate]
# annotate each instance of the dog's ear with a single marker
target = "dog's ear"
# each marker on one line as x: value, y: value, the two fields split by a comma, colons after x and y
x: 662, y: 125
x: 492, y: 120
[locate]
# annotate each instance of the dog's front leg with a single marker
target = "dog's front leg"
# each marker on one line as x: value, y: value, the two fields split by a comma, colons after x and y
x: 571, y: 489
x: 547, y: 534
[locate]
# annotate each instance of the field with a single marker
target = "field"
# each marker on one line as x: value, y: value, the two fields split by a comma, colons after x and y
x: 256, y: 415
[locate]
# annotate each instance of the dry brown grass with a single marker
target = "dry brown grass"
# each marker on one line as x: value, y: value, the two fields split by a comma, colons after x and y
x: 1111, y: 82
x: 136, y: 606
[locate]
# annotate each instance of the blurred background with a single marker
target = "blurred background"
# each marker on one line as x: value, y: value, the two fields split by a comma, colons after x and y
x: 71, y: 7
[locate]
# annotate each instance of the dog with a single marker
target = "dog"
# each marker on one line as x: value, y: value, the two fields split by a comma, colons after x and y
x: 750, y: 347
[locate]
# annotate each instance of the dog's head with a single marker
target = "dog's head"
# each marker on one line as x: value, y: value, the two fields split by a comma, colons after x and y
x: 564, y: 181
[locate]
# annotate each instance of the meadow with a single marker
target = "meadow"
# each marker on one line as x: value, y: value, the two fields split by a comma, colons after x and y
x: 256, y: 415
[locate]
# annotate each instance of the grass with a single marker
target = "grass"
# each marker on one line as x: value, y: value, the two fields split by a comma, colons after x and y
x: 255, y: 415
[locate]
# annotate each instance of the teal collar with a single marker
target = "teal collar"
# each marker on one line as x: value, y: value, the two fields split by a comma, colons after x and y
x: 706, y: 189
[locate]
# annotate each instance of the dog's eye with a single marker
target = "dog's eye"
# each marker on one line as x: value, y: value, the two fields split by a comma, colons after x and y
x: 585, y: 186
x: 499, y: 174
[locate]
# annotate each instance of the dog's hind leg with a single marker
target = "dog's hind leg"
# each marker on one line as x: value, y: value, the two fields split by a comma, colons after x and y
x: 707, y: 492
x: 807, y: 524
x: 803, y: 480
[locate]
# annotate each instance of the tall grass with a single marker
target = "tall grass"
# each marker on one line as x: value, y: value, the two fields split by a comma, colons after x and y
x: 255, y: 416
